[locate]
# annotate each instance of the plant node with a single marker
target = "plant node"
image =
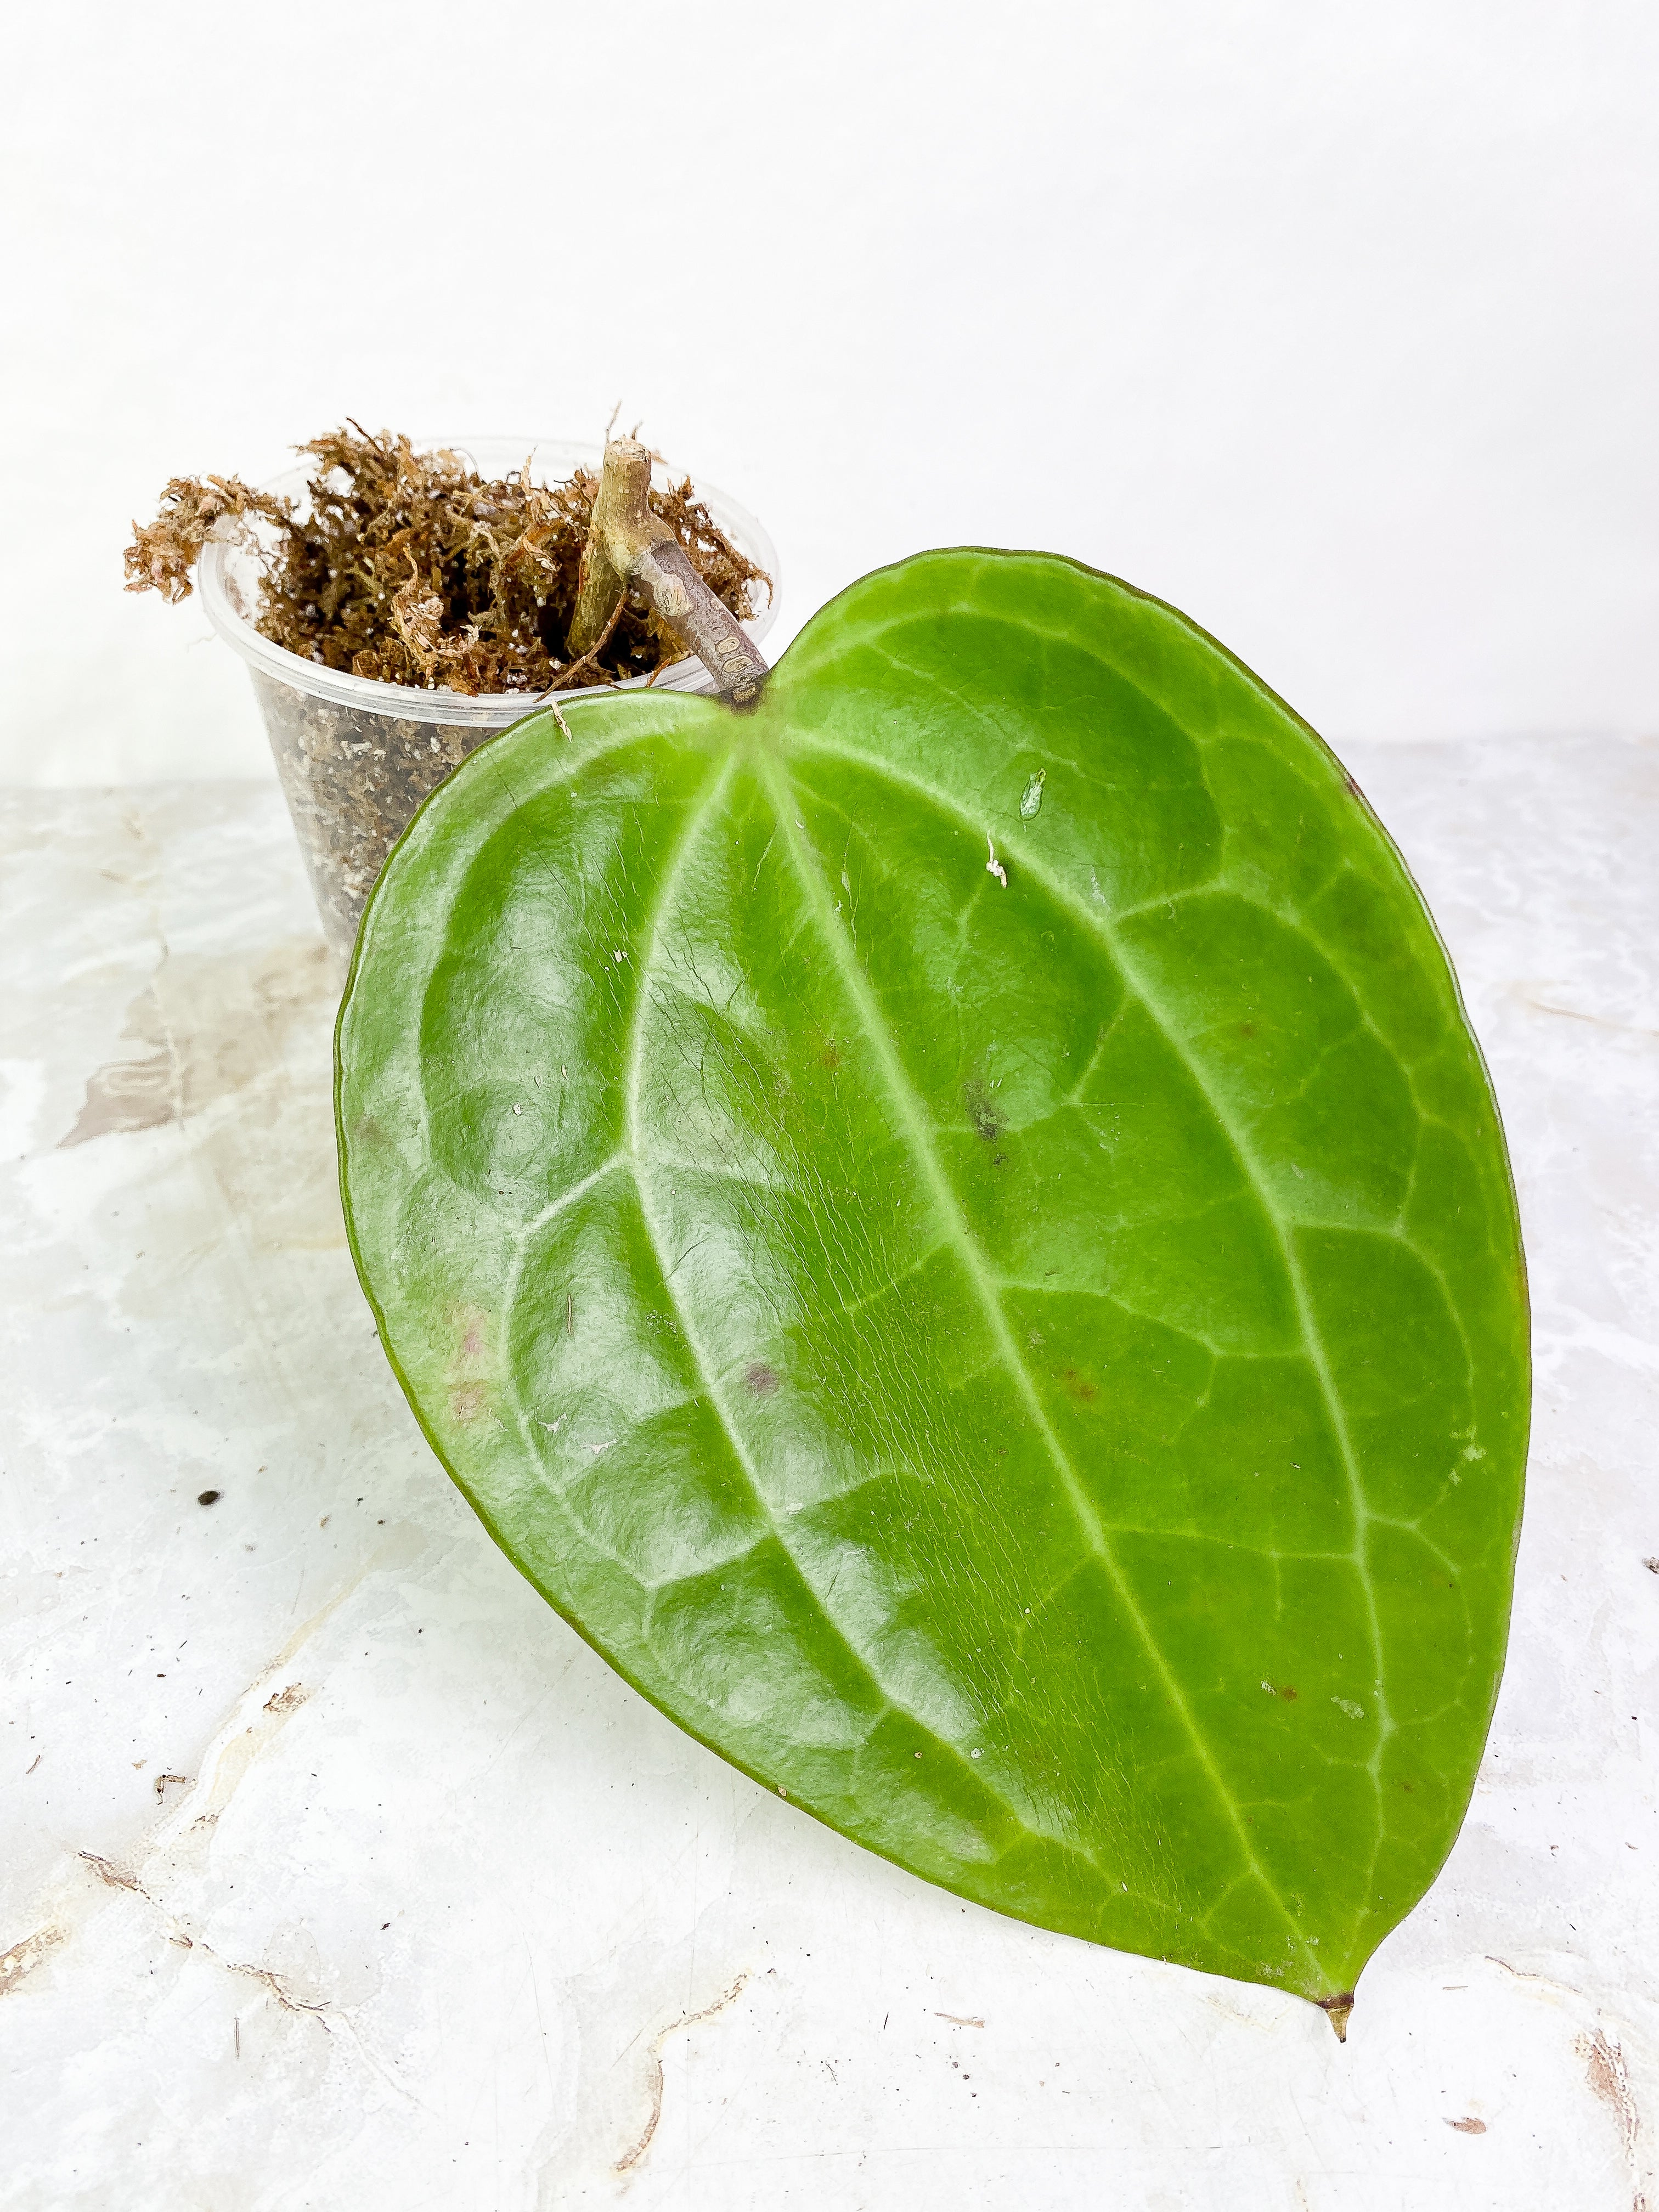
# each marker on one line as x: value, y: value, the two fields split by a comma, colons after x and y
x: 631, y: 550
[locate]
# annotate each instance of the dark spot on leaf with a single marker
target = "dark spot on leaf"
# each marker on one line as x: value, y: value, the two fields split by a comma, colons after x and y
x: 467, y: 1403
x: 208, y: 1498
x: 980, y: 1112
x: 1408, y: 1785
x: 1078, y: 1386
x: 830, y: 1055
x: 1247, y: 1028
x: 1285, y: 1690
x: 760, y: 1379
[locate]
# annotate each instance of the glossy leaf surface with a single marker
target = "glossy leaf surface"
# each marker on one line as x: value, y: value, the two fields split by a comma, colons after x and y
x: 1033, y: 1369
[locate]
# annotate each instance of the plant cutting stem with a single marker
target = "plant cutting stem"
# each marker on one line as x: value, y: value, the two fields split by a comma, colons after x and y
x: 629, y: 549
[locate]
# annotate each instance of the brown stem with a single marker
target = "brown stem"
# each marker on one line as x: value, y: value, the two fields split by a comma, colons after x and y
x: 630, y: 548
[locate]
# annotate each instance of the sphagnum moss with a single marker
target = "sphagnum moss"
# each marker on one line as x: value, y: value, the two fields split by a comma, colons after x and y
x: 413, y: 570
x: 411, y: 567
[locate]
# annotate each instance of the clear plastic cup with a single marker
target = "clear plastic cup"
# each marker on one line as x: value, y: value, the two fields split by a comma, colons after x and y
x: 356, y: 757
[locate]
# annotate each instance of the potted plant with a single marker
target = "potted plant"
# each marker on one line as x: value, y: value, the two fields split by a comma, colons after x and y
x: 396, y: 605
x: 942, y: 1205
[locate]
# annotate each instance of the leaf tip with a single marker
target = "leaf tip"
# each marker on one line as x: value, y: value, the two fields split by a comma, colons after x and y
x: 1337, y: 2010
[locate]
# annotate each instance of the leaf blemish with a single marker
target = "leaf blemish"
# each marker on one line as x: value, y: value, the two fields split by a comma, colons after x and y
x: 760, y: 1379
x: 980, y: 1112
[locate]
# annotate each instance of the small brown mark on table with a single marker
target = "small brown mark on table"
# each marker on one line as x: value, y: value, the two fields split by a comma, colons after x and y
x: 631, y: 2157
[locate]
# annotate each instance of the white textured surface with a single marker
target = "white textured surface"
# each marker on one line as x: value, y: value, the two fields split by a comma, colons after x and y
x: 337, y: 1871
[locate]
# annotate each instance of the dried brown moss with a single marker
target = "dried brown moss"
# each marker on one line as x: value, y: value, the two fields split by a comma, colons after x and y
x: 163, y: 552
x: 412, y: 568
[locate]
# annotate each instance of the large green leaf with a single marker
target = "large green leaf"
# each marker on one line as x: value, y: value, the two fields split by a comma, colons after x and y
x: 1033, y: 1371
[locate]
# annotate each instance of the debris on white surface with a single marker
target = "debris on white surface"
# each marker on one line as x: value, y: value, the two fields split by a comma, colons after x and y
x: 448, y: 1914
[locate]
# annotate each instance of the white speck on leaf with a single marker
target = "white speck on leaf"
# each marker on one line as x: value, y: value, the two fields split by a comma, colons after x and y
x: 1347, y: 1705
x: 993, y: 866
x: 1030, y: 803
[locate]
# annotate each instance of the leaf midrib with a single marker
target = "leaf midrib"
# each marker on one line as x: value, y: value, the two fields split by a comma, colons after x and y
x: 1100, y: 927
x: 979, y: 1273
x: 908, y: 1107
x: 698, y: 816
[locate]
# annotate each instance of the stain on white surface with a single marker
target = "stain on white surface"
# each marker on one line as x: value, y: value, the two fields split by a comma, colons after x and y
x: 441, y: 1914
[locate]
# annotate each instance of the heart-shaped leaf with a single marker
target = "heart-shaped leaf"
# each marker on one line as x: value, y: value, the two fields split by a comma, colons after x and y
x: 954, y: 1226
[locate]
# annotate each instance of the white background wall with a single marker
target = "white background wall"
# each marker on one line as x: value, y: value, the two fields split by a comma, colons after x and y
x: 1335, y: 324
